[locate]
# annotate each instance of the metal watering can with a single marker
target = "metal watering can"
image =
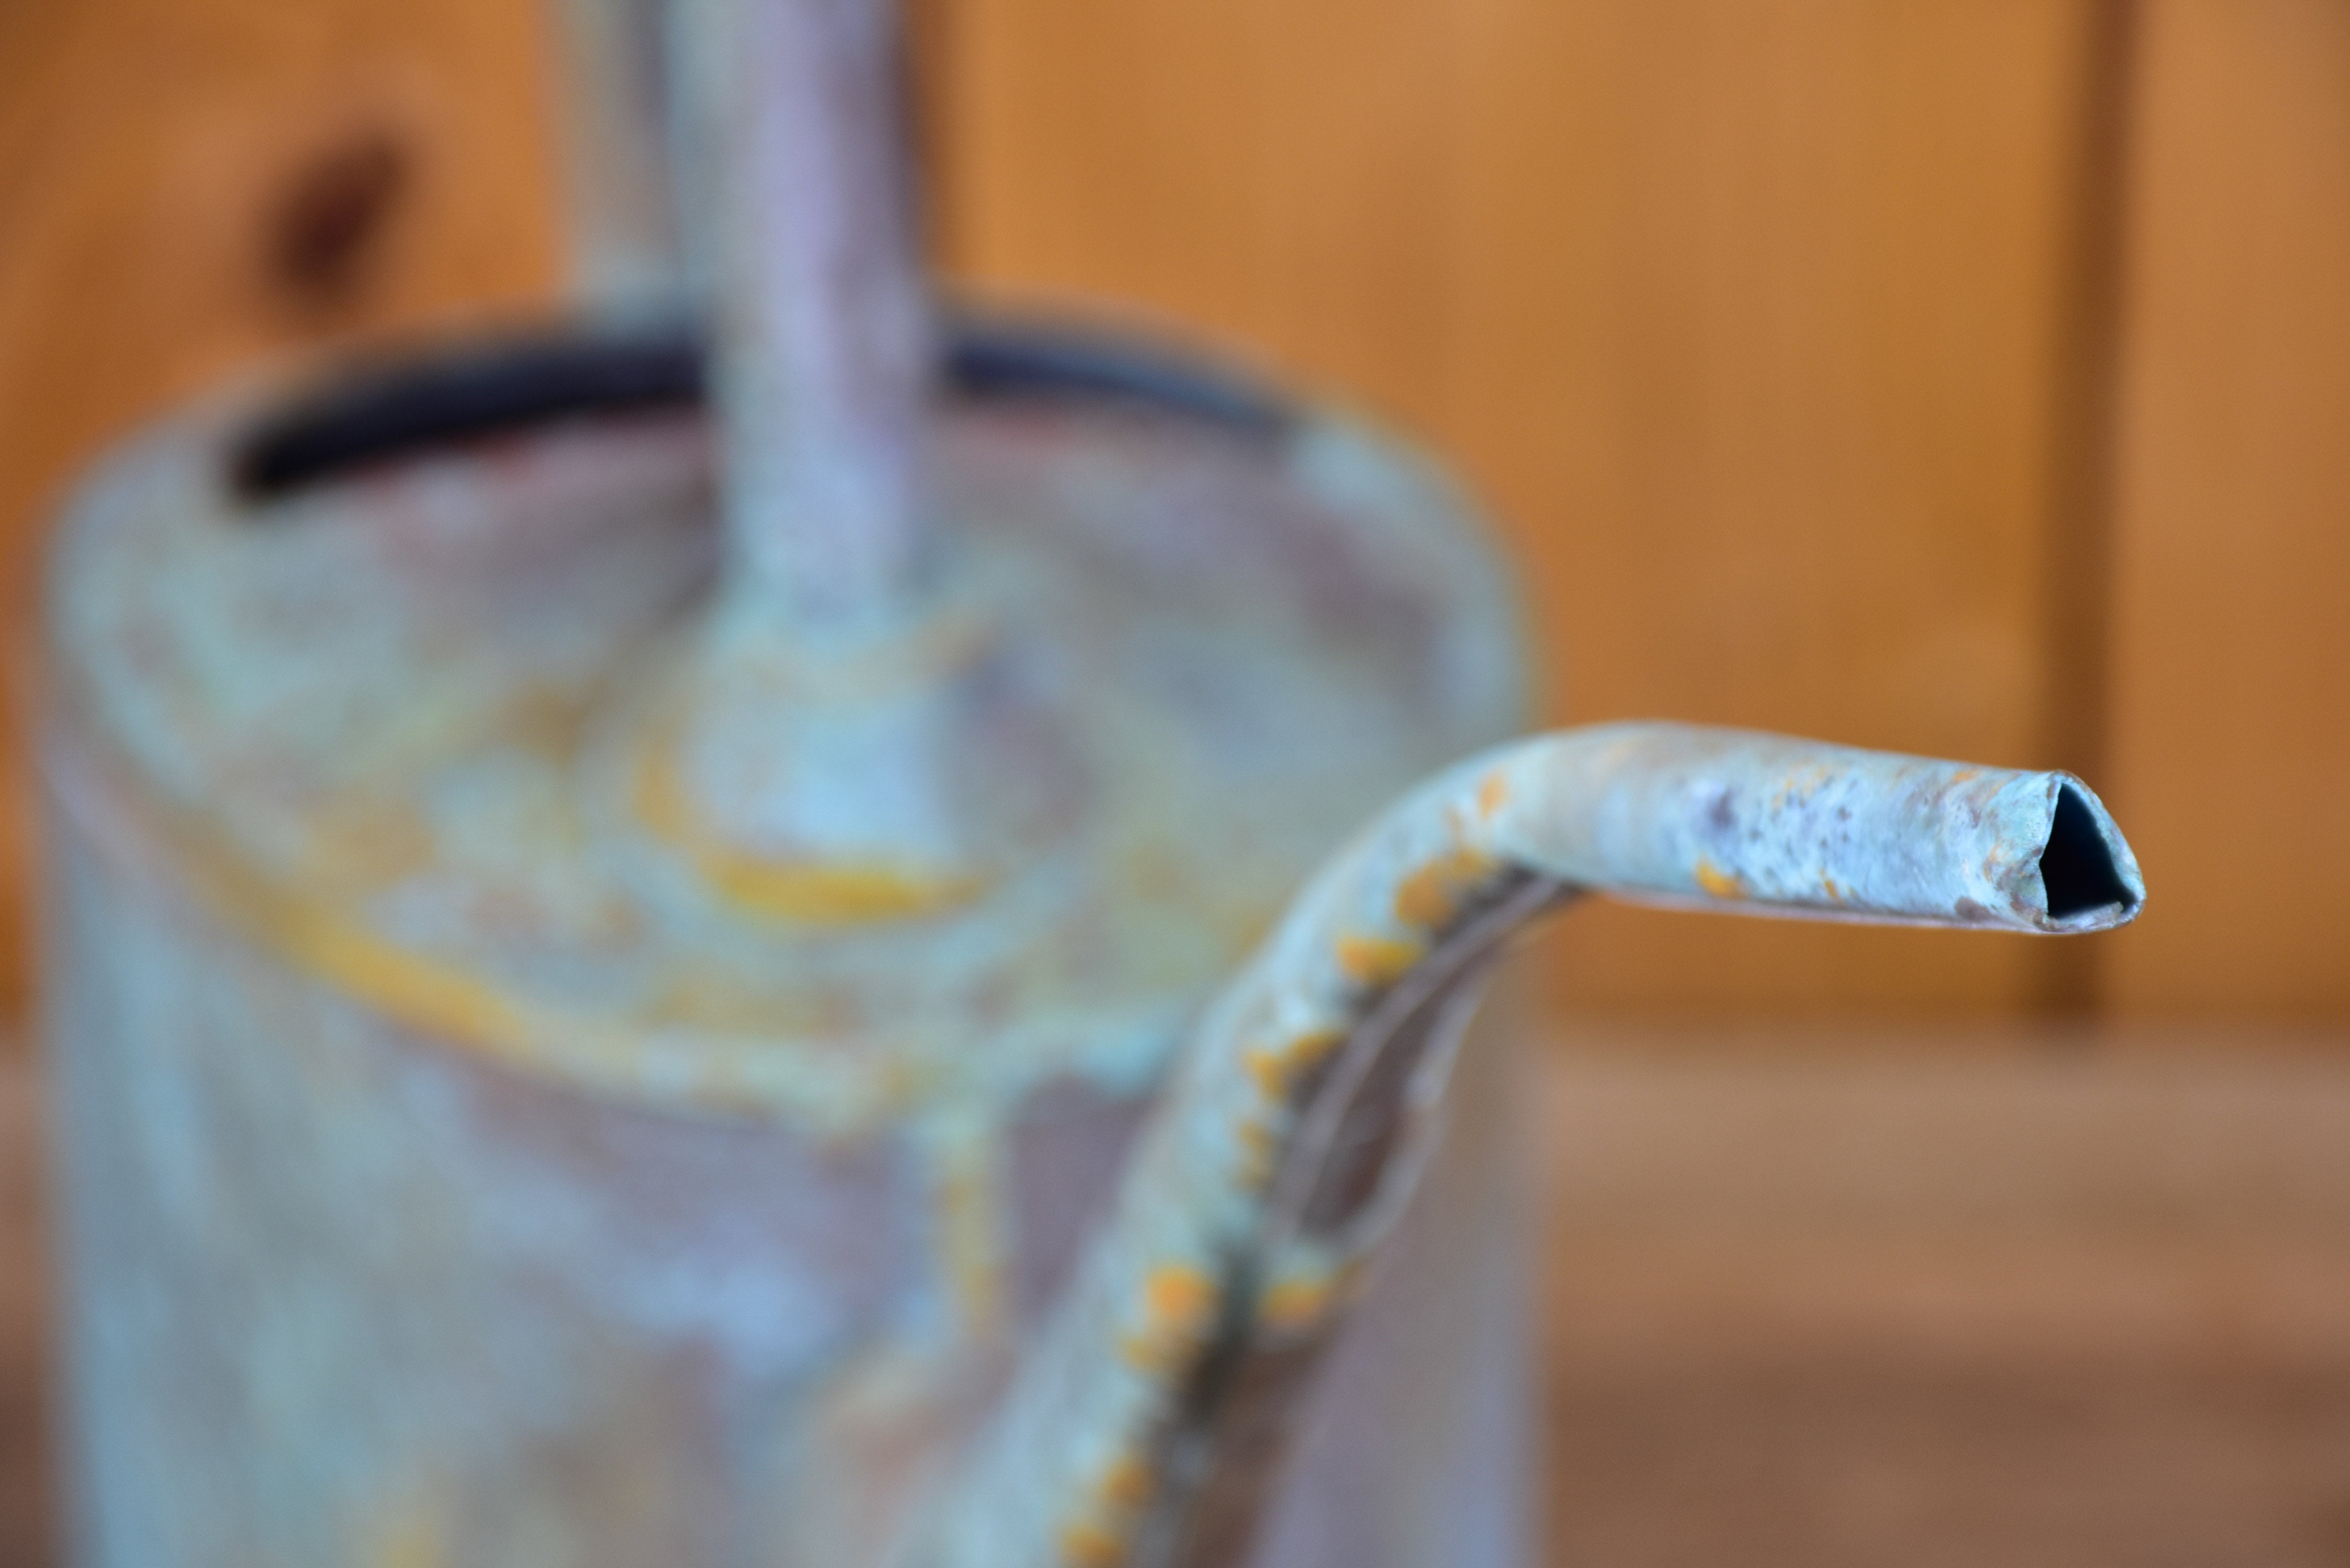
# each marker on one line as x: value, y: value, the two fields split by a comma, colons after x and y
x: 606, y: 961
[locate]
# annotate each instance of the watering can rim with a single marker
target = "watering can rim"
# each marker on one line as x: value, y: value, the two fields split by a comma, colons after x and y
x: 225, y: 440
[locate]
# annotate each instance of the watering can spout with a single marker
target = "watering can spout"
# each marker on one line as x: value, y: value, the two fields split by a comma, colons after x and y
x: 1147, y: 1425
x: 817, y: 760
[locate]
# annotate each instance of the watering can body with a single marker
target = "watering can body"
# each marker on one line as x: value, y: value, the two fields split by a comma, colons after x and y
x: 442, y: 1186
x: 632, y: 986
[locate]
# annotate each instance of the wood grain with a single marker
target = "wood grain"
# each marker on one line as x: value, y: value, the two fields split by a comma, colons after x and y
x: 1748, y: 320
x: 2233, y: 561
x: 155, y: 161
x: 1778, y: 336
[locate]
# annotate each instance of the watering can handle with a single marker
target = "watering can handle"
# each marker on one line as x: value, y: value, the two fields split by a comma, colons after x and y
x: 747, y: 161
x: 1146, y: 1426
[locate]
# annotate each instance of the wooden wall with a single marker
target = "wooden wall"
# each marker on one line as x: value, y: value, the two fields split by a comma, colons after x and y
x: 2231, y: 749
x: 1962, y: 376
x: 188, y: 185
x: 1749, y: 320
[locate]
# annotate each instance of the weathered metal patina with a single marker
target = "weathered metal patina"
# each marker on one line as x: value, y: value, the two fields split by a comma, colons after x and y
x: 1157, y: 1407
x: 606, y: 956
x: 451, y: 1159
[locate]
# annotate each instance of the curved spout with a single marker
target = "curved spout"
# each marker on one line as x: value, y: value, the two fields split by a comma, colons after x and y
x: 1147, y: 1426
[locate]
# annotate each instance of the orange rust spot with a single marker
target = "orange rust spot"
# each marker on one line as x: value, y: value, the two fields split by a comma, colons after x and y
x: 1721, y: 884
x: 831, y: 895
x: 1828, y: 886
x: 1177, y: 1293
x: 1492, y: 795
x: 1430, y: 897
x: 1178, y: 1300
x: 1090, y: 1545
x: 1426, y: 898
x: 316, y: 937
x: 1127, y: 1484
x: 456, y: 1002
x: 1376, y: 962
x: 1277, y: 1068
x: 807, y: 892
x: 1272, y: 1074
x: 1294, y: 1303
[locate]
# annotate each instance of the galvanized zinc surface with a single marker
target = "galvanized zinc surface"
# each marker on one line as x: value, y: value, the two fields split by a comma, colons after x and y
x: 394, y: 725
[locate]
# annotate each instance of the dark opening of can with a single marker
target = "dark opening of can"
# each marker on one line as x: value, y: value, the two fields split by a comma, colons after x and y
x: 405, y: 409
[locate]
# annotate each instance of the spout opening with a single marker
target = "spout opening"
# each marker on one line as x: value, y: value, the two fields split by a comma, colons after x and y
x: 2084, y: 880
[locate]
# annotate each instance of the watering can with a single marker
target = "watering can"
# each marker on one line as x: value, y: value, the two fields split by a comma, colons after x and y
x: 681, y: 957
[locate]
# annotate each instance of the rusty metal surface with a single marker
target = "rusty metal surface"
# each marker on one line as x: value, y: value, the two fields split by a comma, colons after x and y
x: 367, y: 715
x: 598, y: 967
x: 687, y: 1204
x: 346, y: 818
x: 1292, y: 1135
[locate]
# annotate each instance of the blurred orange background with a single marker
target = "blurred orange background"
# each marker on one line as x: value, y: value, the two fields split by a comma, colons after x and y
x: 1965, y: 376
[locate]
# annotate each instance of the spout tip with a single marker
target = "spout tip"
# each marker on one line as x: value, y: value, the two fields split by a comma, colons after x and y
x: 2089, y: 878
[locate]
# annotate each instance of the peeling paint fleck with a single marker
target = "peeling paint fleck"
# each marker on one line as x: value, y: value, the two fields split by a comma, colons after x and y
x: 1717, y: 883
x: 1375, y: 960
x: 1622, y: 809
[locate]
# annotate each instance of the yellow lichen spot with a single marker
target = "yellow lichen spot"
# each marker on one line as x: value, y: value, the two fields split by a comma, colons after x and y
x: 1277, y: 1068
x: 1127, y: 1484
x: 1177, y: 1293
x: 1492, y: 795
x: 804, y: 891
x: 822, y: 894
x: 1828, y: 886
x: 1288, y: 1306
x: 1086, y: 1545
x: 1099, y: 1535
x: 1269, y: 1071
x: 446, y: 999
x: 1376, y: 962
x: 1425, y: 898
x: 1718, y: 883
x: 1178, y: 1302
x: 1430, y: 897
